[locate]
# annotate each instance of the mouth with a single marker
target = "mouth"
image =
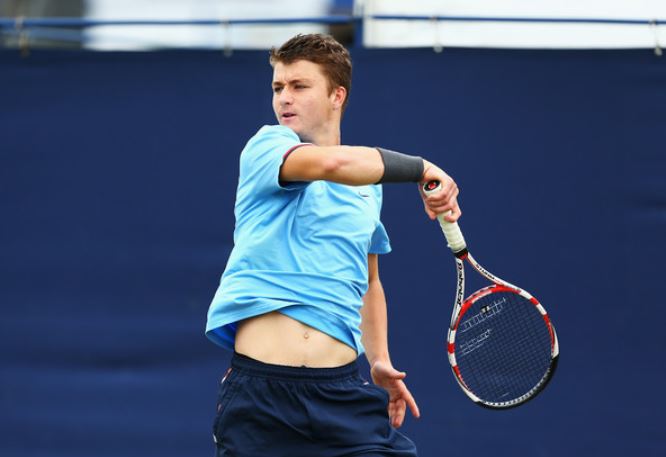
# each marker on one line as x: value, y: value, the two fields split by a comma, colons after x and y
x: 287, y: 116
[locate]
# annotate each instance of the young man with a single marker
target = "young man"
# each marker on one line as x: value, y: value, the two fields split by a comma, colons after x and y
x: 300, y: 298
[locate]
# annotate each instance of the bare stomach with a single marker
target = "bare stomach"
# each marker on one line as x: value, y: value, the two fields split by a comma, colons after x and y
x: 280, y: 340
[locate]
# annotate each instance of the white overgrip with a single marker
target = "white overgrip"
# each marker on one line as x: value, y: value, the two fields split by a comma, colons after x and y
x: 452, y: 233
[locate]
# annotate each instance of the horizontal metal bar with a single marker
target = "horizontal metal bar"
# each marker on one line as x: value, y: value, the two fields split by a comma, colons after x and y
x: 85, y: 23
x: 386, y: 17
x: 73, y: 22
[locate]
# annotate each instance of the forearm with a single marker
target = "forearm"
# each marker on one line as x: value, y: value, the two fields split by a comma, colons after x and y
x: 351, y: 165
x: 374, y: 327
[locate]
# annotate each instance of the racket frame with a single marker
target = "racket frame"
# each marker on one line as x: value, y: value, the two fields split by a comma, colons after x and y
x: 456, y: 242
x: 462, y: 304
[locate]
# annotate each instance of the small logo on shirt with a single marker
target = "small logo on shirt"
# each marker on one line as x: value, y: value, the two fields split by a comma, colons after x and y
x: 363, y: 193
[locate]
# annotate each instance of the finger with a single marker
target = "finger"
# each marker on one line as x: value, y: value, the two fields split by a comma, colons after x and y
x: 443, y: 209
x: 447, y: 192
x: 386, y: 370
x: 443, y: 205
x: 431, y: 214
x: 399, y: 417
x: 413, y: 407
x: 447, y: 198
x: 442, y: 195
x: 392, y: 373
x: 454, y: 215
x: 451, y: 205
x: 398, y: 375
x: 435, y: 208
x: 453, y: 193
x: 392, y: 409
x: 408, y: 398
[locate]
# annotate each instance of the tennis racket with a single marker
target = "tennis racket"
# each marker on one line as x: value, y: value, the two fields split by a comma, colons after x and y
x: 502, y: 345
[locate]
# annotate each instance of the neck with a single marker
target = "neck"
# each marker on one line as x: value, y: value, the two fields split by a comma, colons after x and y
x: 328, y: 139
x: 327, y: 135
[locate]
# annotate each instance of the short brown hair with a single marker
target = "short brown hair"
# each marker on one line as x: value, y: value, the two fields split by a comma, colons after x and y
x: 320, y: 49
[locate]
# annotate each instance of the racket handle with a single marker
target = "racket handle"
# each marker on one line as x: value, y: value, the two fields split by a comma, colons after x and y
x: 452, y: 233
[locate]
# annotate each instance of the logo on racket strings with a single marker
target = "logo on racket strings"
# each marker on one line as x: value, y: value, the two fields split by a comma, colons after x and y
x: 474, y: 343
x: 486, y: 313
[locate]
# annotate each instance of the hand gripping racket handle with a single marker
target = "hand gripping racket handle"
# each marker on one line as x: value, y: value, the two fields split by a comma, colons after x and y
x: 454, y: 236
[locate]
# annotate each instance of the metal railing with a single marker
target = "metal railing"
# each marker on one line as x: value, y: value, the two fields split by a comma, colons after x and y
x: 51, y: 28
x: 388, y: 17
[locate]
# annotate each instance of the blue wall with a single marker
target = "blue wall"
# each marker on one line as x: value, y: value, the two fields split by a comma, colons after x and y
x: 117, y: 181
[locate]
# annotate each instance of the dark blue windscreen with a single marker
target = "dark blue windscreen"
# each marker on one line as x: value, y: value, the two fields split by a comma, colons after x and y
x: 117, y: 180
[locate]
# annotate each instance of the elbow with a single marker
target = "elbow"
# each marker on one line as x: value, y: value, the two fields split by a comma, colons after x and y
x: 332, y: 165
x: 374, y: 282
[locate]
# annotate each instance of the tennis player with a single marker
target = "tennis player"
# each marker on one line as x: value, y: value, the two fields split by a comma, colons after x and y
x: 300, y: 299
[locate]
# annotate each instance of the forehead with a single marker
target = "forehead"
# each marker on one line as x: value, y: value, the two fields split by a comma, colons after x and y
x: 301, y: 69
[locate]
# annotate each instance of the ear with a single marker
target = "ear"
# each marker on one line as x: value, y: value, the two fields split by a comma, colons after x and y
x: 339, y: 96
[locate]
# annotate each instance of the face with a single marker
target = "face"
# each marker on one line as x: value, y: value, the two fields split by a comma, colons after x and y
x: 302, y: 100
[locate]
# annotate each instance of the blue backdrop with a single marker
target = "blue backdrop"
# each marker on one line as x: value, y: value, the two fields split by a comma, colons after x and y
x: 117, y: 181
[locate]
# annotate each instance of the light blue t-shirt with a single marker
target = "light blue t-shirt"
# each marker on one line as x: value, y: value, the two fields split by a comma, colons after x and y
x: 300, y: 248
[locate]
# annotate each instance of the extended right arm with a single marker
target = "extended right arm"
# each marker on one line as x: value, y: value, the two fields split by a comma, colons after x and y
x: 360, y: 165
x: 352, y: 165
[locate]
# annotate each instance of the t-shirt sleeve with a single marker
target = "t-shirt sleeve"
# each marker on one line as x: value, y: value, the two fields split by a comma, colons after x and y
x: 379, y: 243
x: 263, y: 156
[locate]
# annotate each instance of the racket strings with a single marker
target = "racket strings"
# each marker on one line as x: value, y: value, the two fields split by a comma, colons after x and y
x: 503, y: 347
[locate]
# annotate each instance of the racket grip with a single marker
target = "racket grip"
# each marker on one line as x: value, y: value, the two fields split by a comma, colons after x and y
x: 452, y: 233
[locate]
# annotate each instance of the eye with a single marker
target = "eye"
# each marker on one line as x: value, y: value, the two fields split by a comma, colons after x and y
x: 277, y: 90
x: 300, y: 86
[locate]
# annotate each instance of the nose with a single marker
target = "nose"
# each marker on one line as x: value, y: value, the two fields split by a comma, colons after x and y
x: 285, y: 97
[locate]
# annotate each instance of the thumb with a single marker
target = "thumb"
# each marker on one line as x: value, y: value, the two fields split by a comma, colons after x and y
x: 395, y: 374
x: 387, y: 371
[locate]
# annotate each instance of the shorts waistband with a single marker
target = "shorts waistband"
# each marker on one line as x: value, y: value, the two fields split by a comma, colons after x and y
x: 254, y: 367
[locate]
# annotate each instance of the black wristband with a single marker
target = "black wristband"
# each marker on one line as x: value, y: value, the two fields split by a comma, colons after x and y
x: 400, y: 167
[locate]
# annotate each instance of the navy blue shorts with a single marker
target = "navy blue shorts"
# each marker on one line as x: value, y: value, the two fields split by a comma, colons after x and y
x: 276, y: 411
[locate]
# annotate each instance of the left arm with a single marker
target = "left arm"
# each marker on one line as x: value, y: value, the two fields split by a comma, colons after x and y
x: 375, y: 339
x: 374, y: 333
